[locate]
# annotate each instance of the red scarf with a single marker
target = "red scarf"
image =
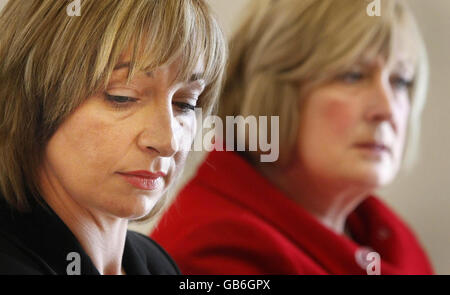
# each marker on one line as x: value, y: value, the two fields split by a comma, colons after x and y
x: 231, y: 220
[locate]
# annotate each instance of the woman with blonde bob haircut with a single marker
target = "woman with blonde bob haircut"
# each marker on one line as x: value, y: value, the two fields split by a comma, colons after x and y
x: 97, y: 116
x: 348, y: 89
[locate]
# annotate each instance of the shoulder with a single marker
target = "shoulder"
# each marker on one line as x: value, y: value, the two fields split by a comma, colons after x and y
x: 157, y: 259
x: 233, y: 244
x: 16, y: 259
x: 244, y: 229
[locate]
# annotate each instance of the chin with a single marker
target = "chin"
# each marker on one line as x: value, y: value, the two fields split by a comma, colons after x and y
x: 133, y: 209
x: 376, y: 178
x: 371, y: 175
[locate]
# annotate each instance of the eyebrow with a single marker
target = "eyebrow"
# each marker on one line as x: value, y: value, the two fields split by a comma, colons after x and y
x: 194, y: 78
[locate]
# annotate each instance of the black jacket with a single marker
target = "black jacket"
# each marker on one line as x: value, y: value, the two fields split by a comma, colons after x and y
x: 40, y: 243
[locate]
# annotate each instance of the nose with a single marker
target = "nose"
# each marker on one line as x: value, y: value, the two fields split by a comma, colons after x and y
x: 381, y: 103
x: 158, y: 129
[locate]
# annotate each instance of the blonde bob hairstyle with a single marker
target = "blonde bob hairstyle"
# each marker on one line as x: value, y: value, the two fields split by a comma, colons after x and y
x: 51, y: 62
x: 285, y: 47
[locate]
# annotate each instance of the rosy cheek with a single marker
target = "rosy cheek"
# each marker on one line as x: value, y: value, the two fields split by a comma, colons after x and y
x: 338, y: 115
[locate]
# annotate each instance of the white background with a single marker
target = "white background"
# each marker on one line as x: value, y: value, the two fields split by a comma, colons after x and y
x: 422, y: 198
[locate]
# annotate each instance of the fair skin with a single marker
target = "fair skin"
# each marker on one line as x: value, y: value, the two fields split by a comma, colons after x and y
x: 351, y: 138
x: 147, y: 125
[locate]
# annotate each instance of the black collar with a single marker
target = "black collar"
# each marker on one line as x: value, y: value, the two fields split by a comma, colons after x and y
x: 48, y: 242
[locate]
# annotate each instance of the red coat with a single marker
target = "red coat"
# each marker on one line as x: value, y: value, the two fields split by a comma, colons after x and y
x: 231, y: 220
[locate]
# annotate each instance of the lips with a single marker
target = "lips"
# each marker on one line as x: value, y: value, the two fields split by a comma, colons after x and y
x: 145, y: 174
x: 373, y: 146
x: 144, y: 180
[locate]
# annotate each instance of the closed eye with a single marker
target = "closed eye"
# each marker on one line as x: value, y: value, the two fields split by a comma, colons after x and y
x: 352, y: 76
x: 184, y: 107
x: 120, y: 102
x: 123, y: 102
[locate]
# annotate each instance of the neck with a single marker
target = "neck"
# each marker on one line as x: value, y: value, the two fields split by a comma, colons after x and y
x: 102, y: 237
x: 330, y: 202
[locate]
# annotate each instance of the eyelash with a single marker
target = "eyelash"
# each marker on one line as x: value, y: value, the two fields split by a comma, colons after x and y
x: 122, y: 102
x: 184, y: 107
x: 119, y: 102
x: 352, y: 76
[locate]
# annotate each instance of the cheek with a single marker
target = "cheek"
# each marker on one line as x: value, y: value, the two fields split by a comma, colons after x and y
x: 329, y: 120
x: 402, y: 118
x: 90, y: 145
x: 184, y: 133
x: 327, y: 129
x: 404, y: 115
x: 338, y: 116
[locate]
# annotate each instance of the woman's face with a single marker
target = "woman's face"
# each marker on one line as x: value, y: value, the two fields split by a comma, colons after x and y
x: 353, y: 129
x: 100, y: 154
